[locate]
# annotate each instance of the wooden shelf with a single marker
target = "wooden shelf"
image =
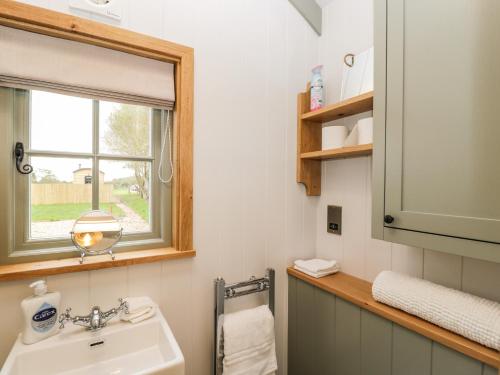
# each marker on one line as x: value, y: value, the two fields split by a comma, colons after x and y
x: 339, y: 153
x: 358, y: 292
x: 46, y: 268
x: 309, y: 137
x: 349, y: 107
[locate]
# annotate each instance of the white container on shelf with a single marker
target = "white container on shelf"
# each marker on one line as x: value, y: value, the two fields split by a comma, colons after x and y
x: 352, y: 138
x: 333, y: 137
x: 365, y: 131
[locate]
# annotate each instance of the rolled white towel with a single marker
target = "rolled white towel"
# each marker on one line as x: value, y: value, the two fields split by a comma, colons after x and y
x: 139, y: 309
x: 470, y: 316
x: 316, y: 265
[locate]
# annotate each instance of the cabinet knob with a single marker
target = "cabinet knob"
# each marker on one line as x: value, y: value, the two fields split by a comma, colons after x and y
x: 388, y: 219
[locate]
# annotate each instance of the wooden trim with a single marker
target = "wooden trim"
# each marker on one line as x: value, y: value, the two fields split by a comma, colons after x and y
x: 55, y: 267
x: 352, y: 106
x: 358, y: 292
x: 308, y: 140
x: 60, y: 25
x: 55, y: 24
x: 339, y: 153
x: 184, y: 152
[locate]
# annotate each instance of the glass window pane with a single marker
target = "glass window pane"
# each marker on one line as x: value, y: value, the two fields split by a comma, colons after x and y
x: 68, y: 117
x: 124, y: 129
x: 126, y: 193
x: 60, y: 191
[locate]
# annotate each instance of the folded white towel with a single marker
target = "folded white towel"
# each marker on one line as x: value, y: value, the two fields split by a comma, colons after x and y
x: 470, y: 316
x: 249, y: 344
x: 316, y: 265
x: 317, y: 275
x: 139, y: 309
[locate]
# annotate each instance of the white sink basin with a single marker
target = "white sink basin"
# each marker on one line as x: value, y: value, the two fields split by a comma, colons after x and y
x: 120, y: 348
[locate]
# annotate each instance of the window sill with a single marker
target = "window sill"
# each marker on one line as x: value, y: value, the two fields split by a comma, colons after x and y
x: 55, y: 267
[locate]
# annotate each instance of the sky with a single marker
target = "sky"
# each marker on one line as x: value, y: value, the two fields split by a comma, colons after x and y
x: 64, y: 123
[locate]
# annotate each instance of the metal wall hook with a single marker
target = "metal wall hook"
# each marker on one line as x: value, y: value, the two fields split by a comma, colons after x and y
x: 349, y: 60
x: 19, y: 155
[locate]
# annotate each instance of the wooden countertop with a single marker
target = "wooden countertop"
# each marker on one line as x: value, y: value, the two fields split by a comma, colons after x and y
x: 358, y: 292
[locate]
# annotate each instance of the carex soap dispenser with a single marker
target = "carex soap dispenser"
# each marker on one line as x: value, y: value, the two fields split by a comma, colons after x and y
x: 40, y: 313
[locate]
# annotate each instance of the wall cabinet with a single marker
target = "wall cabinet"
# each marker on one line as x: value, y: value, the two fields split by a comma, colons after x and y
x: 330, y: 336
x: 436, y: 154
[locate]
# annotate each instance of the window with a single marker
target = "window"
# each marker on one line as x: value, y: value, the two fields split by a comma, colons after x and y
x: 87, y: 154
x: 166, y: 72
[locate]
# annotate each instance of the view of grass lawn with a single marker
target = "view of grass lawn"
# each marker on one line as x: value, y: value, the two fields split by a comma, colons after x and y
x: 113, y: 209
x: 68, y: 211
x: 134, y: 202
x: 71, y: 211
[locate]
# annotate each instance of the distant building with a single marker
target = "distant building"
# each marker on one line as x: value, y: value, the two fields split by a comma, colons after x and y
x: 83, y: 176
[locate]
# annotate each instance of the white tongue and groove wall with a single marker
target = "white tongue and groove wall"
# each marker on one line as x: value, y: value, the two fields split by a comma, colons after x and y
x: 252, y: 57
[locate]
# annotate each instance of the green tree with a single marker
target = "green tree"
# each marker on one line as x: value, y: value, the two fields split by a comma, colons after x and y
x: 128, y: 133
x: 44, y: 176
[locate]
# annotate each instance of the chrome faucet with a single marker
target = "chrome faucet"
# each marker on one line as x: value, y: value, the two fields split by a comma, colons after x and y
x: 96, y: 320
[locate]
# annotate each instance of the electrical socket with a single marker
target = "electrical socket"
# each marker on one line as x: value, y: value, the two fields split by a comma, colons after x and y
x: 334, y: 220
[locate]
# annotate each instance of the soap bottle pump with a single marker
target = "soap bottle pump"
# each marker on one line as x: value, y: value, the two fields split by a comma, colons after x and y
x: 40, y: 313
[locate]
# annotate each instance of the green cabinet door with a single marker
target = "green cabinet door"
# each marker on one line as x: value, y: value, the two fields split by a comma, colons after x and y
x: 442, y: 124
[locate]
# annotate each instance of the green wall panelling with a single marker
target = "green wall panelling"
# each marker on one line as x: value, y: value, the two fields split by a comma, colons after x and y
x: 446, y: 361
x: 411, y: 352
x: 330, y: 336
x: 347, y: 338
x: 487, y: 370
x: 293, y: 356
x: 376, y: 344
x: 324, y: 331
x: 304, y: 328
x: 311, y: 325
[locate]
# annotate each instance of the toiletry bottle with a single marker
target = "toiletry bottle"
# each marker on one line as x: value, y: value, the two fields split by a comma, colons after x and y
x: 316, y: 88
x: 40, y: 313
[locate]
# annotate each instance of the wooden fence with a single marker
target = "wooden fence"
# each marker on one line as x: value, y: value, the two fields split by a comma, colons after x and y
x: 69, y: 193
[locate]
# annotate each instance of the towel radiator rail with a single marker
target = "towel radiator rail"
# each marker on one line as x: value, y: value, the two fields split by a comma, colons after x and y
x: 225, y: 291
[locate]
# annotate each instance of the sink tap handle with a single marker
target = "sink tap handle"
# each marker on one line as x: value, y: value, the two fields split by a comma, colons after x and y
x: 64, y: 317
x: 107, y: 315
x: 123, y: 305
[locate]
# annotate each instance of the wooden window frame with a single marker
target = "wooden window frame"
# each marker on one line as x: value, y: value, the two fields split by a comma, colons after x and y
x: 59, y: 25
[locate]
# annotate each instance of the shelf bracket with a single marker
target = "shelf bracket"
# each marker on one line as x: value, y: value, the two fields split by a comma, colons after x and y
x: 308, y: 139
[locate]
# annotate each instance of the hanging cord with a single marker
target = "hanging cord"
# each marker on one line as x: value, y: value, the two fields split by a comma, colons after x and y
x: 170, y: 154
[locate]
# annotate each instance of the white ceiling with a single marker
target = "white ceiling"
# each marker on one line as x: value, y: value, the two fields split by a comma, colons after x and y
x: 323, y: 3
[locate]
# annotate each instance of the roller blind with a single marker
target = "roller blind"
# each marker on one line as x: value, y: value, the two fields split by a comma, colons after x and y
x: 35, y: 61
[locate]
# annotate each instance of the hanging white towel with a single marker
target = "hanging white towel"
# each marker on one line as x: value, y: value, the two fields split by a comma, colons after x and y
x: 249, y: 343
x: 139, y: 309
x: 470, y: 316
x: 317, y: 267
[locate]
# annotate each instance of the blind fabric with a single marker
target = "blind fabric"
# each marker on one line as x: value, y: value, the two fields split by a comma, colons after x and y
x: 34, y: 61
